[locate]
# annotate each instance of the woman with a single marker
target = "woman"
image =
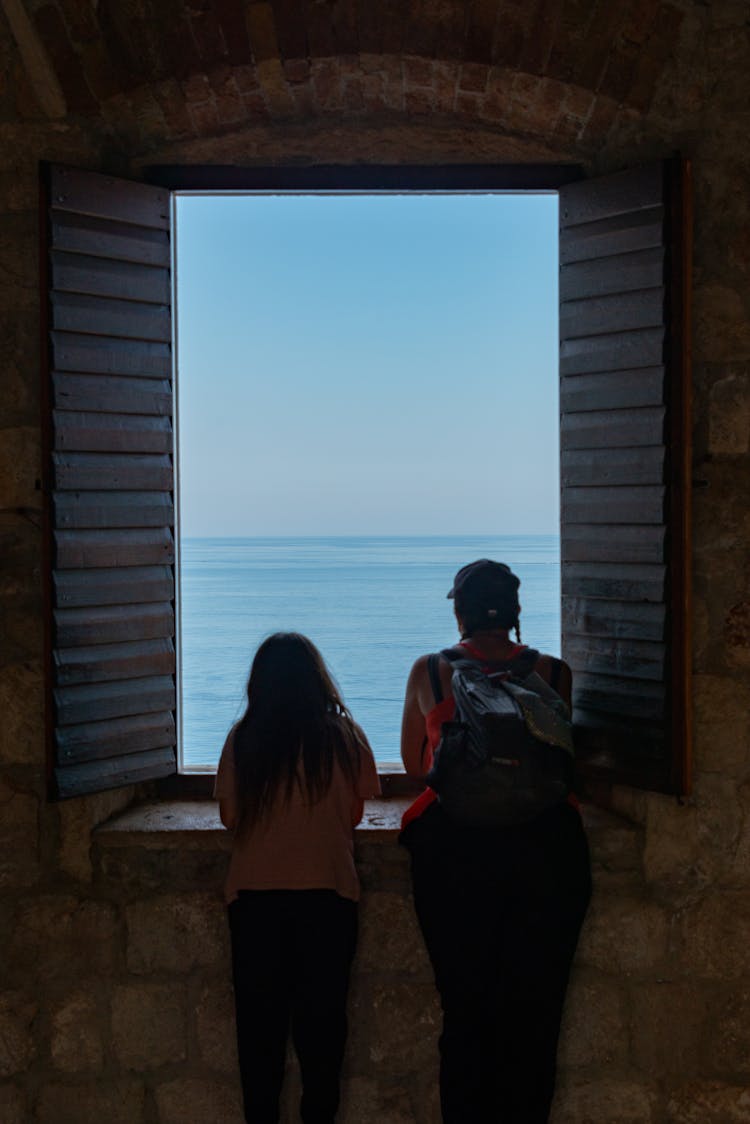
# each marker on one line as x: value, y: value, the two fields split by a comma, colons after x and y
x: 500, y: 909
x: 291, y: 784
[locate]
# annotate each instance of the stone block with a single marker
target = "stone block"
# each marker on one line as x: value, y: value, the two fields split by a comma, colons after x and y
x: 22, y: 708
x: 709, y: 1103
x: 393, y: 1027
x: 12, y: 1105
x: 389, y: 936
x: 366, y: 1101
x: 721, y: 708
x: 729, y: 415
x: 712, y: 940
x: 626, y: 934
x: 728, y: 1044
x: 19, y: 857
x: 60, y: 936
x: 209, y: 1102
x: 595, y: 1029
x: 215, y: 1027
x: 149, y: 1025
x: 669, y: 1022
x: 116, y: 1102
x: 17, y: 1047
x: 176, y: 933
x: 76, y: 1035
x: 721, y: 327
x: 20, y: 463
x: 606, y: 1101
x: 77, y: 819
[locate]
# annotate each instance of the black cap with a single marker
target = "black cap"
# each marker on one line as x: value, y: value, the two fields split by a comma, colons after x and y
x: 483, y: 580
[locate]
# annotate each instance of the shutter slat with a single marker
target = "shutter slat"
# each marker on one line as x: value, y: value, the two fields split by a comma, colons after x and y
x: 113, y: 510
x: 108, y: 394
x: 132, y: 586
x: 613, y: 465
x: 612, y: 391
x: 79, y: 780
x: 621, y: 273
x: 116, y: 433
x: 83, y: 471
x: 104, y: 197
x: 621, y: 312
x: 111, y: 505
x: 113, y: 548
x: 101, y: 316
x: 614, y: 581
x: 616, y: 620
x: 608, y: 429
x: 633, y: 659
x: 76, y: 273
x: 623, y: 428
x: 94, y: 702
x: 92, y: 741
x: 634, y: 505
x: 78, y: 234
x: 619, y: 351
x: 613, y: 543
x: 103, y: 662
x: 111, y: 624
x: 142, y: 358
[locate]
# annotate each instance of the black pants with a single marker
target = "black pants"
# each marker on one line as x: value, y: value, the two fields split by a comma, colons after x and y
x: 291, y: 955
x: 500, y: 912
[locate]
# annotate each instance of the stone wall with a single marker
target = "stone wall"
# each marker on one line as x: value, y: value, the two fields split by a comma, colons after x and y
x: 659, y: 1020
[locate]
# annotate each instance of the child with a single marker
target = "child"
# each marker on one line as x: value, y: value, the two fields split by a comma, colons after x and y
x: 292, y: 779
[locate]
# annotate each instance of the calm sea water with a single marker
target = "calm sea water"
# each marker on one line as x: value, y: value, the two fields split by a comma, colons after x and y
x: 372, y: 605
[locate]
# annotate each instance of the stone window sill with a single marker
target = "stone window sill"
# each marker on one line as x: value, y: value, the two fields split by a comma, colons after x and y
x: 175, y: 823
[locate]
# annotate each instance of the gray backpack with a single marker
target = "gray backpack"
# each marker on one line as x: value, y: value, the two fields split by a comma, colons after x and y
x: 507, y: 755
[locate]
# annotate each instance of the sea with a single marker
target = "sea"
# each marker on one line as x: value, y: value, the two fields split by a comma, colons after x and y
x: 371, y: 605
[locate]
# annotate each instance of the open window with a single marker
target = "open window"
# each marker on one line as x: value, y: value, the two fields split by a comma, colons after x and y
x: 109, y: 470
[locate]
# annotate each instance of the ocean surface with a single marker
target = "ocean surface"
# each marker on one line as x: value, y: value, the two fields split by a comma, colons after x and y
x: 372, y: 605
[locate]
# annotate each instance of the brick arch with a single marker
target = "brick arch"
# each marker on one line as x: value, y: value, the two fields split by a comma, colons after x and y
x: 166, y: 71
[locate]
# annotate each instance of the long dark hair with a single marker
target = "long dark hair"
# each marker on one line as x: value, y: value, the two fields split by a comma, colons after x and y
x: 295, y: 717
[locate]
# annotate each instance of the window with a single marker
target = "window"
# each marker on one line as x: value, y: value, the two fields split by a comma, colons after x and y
x: 624, y: 450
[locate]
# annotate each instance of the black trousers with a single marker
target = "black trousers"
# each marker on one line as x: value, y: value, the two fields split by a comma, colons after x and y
x: 291, y: 955
x: 500, y: 912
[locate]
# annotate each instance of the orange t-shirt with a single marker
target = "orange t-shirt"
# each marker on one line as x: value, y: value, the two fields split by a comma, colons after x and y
x: 299, y: 846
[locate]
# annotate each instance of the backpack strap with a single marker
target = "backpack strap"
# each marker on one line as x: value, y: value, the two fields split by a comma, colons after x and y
x: 433, y: 665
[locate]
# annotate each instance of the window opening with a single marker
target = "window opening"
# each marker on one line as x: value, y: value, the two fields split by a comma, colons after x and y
x: 367, y: 397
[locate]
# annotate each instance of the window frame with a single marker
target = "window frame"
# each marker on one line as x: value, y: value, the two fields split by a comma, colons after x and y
x: 461, y: 178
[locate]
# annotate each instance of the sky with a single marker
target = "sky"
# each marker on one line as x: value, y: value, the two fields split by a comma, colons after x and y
x: 367, y: 364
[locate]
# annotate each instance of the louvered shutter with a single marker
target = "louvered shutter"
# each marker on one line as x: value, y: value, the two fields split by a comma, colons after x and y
x: 625, y: 433
x: 109, y: 481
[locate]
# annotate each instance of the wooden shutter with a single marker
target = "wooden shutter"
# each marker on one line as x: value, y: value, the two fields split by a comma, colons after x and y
x: 108, y: 405
x: 625, y: 437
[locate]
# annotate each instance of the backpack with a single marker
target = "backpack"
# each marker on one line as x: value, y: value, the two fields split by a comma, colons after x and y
x: 507, y: 756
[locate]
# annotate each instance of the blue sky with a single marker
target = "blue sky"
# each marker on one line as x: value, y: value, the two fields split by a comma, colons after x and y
x: 357, y: 364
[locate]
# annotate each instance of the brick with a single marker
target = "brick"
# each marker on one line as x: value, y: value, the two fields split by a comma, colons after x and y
x: 737, y: 634
x: 417, y: 72
x: 17, y: 1047
x: 712, y: 937
x: 604, y: 1099
x: 473, y: 78
x: 729, y: 414
x: 76, y: 1041
x: 297, y: 70
x: 595, y: 1030
x: 727, y: 1047
x: 389, y: 937
x: 20, y: 462
x: 209, y: 1102
x: 173, y: 106
x: 176, y: 933
x: 480, y: 33
x: 707, y: 1102
x: 19, y: 857
x: 231, y: 19
x: 85, y: 937
x: 119, y: 1101
x: 395, y: 1026
x: 368, y: 1101
x: 148, y: 1025
x: 207, y: 35
x: 262, y: 33
x: 13, y: 1109
x: 624, y: 934
x: 67, y: 66
x: 215, y: 1027
x: 320, y: 39
x: 673, y: 1027
x: 204, y: 117
x: 22, y: 708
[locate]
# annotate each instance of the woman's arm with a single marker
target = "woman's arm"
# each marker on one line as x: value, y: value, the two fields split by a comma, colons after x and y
x: 224, y: 787
x: 413, y: 734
